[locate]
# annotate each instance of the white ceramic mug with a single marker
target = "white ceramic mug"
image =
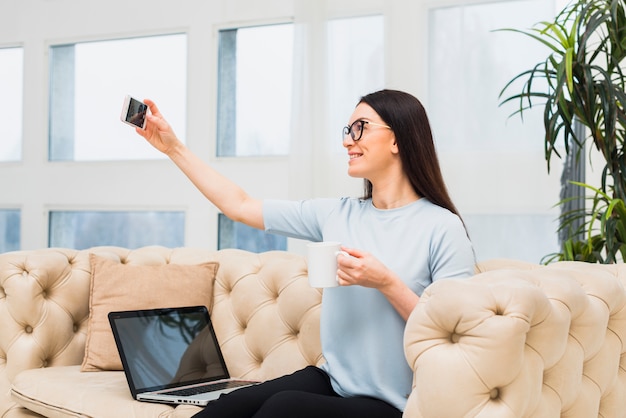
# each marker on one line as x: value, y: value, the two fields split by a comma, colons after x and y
x: 322, y: 263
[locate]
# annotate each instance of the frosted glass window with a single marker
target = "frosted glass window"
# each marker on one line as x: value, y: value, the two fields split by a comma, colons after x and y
x: 356, y: 66
x: 469, y: 64
x: 254, y: 91
x: 237, y: 235
x: 85, y: 229
x: 11, y: 82
x: 88, y: 83
x: 10, y: 222
x: 527, y: 237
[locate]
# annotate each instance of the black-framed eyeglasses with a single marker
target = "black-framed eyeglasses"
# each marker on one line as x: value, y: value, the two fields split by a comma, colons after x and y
x: 356, y: 129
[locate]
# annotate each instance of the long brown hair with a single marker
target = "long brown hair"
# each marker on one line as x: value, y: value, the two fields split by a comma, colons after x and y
x: 407, y: 118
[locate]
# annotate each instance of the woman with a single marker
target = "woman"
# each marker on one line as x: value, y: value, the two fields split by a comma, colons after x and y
x: 401, y: 236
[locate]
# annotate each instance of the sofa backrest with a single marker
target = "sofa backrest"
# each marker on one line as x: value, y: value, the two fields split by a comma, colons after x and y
x: 265, y: 314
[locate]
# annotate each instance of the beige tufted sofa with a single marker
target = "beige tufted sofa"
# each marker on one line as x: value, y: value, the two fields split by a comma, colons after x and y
x: 515, y: 340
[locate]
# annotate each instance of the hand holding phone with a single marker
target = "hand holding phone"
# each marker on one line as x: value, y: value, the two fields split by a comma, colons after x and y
x: 134, y: 112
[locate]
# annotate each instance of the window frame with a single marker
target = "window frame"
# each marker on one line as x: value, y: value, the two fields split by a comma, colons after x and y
x: 217, y: 29
x: 111, y: 37
x: 20, y: 156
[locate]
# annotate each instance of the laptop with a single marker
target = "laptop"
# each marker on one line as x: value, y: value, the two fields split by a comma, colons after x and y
x: 172, y: 355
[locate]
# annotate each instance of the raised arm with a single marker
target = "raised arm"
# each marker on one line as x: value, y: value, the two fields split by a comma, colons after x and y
x: 231, y: 199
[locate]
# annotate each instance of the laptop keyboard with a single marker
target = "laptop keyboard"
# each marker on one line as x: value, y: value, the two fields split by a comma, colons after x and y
x: 208, y: 388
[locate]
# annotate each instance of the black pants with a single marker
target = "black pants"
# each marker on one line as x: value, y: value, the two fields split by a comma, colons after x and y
x: 304, y: 394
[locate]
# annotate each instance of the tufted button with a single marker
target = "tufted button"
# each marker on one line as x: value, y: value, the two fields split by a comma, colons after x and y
x: 75, y: 328
x: 494, y: 393
x: 28, y: 329
x: 454, y: 337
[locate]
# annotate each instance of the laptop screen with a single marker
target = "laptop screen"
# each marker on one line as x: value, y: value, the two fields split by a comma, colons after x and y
x: 163, y: 348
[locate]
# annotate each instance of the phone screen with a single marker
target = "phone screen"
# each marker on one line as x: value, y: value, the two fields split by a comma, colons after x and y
x: 136, y: 114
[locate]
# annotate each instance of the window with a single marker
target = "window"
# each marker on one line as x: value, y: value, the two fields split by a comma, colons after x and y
x: 237, y: 235
x: 254, y: 91
x: 83, y: 229
x: 10, y: 222
x: 496, y: 235
x: 468, y: 66
x: 494, y: 158
x: 88, y: 83
x: 11, y: 81
x: 353, y: 44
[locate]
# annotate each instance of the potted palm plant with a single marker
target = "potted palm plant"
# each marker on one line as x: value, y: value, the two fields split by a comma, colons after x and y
x: 582, y: 81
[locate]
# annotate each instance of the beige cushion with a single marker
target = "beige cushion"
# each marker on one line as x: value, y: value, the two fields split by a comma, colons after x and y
x: 116, y: 286
x: 77, y: 394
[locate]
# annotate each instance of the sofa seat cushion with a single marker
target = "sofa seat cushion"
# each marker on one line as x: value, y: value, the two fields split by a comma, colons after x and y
x: 95, y: 394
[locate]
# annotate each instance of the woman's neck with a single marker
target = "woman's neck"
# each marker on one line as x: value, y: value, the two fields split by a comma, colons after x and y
x: 393, y: 196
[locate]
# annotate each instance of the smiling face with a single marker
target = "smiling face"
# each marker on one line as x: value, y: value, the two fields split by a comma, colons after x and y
x: 375, y: 155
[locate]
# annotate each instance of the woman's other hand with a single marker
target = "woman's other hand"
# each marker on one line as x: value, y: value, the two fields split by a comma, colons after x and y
x: 363, y: 269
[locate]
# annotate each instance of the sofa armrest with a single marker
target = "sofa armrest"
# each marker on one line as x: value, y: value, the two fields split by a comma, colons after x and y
x: 44, y: 307
x: 513, y: 343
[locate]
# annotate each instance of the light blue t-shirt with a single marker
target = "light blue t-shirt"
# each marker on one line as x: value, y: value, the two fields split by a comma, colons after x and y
x: 361, y: 333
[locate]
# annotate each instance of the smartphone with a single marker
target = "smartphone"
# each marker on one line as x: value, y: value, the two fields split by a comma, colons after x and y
x: 134, y: 112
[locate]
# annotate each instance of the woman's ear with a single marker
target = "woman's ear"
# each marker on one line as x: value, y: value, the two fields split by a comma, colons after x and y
x: 394, y: 146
